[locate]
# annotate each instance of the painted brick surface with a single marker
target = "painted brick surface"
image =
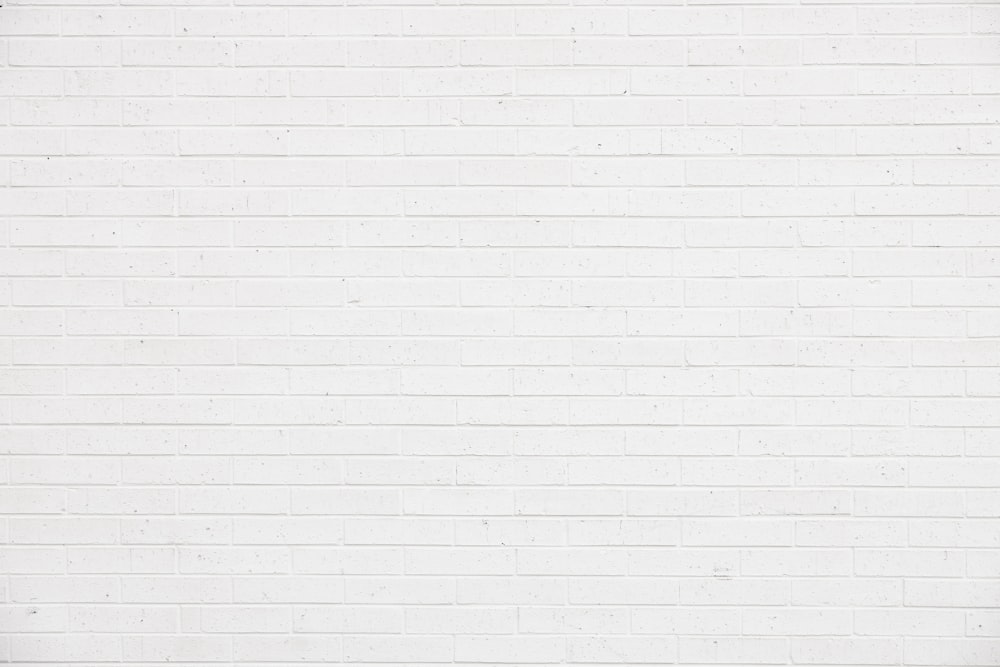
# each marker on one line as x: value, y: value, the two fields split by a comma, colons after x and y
x: 393, y: 332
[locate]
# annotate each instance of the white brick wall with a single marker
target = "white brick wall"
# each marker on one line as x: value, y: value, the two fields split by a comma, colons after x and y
x: 563, y: 331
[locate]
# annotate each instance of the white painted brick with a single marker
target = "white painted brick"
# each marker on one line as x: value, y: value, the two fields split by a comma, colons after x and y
x: 815, y: 651
x: 900, y: 502
x: 926, y: 651
x: 557, y: 21
x: 41, y: 648
x: 533, y: 333
x: 724, y: 650
x: 920, y: 622
x: 800, y: 622
x: 848, y: 592
x: 793, y: 20
x: 796, y: 563
x: 284, y: 647
x: 349, y: 619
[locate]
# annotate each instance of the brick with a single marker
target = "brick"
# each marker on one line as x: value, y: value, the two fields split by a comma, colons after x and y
x: 421, y: 333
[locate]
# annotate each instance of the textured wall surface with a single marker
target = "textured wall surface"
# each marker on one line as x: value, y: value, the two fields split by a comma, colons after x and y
x: 483, y: 333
